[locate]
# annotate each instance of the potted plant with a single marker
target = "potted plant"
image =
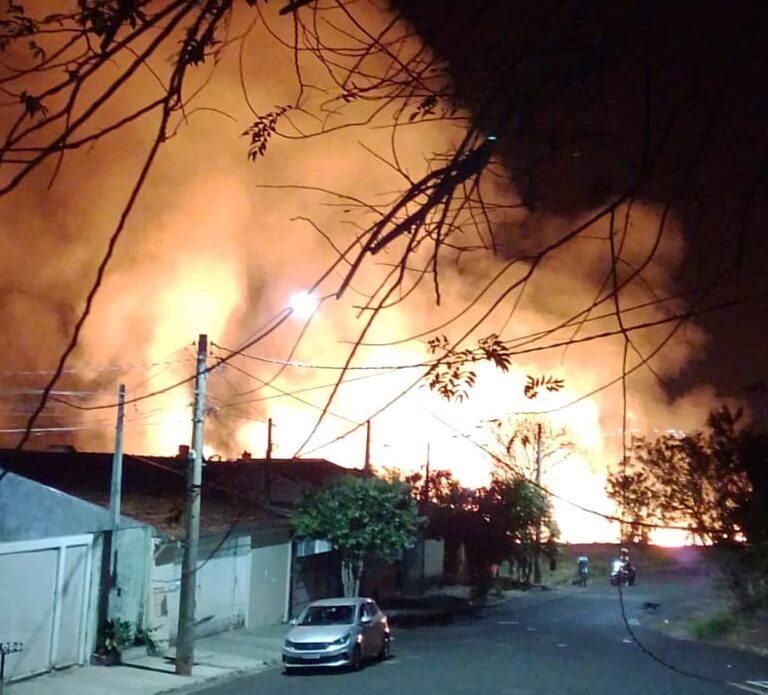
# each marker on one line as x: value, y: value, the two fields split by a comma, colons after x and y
x: 115, y: 634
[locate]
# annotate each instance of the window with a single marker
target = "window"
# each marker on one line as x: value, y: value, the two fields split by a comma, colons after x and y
x: 311, y: 546
x: 328, y: 615
x: 366, y: 610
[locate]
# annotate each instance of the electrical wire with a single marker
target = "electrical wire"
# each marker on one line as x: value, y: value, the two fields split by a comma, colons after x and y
x: 544, y: 489
x: 231, y: 527
x: 656, y: 657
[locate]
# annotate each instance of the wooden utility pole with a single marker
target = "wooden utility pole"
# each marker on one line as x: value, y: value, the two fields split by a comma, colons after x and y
x: 424, y: 507
x: 367, y: 462
x: 185, y: 638
x: 537, y: 549
x: 267, y: 472
x: 115, y: 490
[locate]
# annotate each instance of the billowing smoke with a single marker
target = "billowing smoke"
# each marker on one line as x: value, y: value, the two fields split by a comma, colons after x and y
x: 217, y: 244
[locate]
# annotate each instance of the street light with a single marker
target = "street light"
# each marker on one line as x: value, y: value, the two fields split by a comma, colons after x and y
x: 304, y: 304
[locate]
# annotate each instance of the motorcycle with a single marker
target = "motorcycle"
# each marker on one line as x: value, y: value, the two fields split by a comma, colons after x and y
x: 622, y: 573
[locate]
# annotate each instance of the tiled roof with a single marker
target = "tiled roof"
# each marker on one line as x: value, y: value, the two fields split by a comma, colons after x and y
x: 153, y: 487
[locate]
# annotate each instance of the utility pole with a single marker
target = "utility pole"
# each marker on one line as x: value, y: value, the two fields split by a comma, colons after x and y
x: 269, y: 439
x: 424, y: 506
x: 537, y: 550
x: 115, y: 490
x: 367, y: 462
x: 267, y: 473
x: 115, y: 496
x: 185, y: 638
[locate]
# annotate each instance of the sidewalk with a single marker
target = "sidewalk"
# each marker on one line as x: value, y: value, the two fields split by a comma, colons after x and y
x: 217, y: 658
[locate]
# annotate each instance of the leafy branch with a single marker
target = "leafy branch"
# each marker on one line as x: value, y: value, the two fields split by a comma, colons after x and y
x: 452, y: 376
x: 533, y: 385
x: 262, y: 130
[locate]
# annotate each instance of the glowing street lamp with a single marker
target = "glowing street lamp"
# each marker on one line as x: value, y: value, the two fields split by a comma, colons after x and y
x: 304, y: 304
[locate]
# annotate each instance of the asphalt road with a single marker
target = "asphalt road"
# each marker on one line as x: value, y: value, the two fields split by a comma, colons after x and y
x: 565, y: 641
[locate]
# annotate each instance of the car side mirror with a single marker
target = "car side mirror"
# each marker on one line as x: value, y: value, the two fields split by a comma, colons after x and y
x: 366, y: 620
x: 294, y: 621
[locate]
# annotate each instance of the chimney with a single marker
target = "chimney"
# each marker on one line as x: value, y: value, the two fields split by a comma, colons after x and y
x: 183, y: 451
x: 245, y: 456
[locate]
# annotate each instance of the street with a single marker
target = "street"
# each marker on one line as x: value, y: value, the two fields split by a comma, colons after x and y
x: 569, y: 640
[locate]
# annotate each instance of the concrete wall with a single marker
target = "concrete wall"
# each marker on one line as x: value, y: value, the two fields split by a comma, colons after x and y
x: 269, y: 584
x: 129, y: 585
x: 433, y: 560
x: 222, y: 587
x: 29, y: 511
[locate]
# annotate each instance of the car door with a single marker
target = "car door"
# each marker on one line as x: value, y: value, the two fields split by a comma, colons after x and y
x: 371, y: 643
x: 380, y: 623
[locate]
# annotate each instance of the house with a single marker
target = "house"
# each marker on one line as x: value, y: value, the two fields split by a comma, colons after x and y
x: 51, y: 561
x: 250, y: 572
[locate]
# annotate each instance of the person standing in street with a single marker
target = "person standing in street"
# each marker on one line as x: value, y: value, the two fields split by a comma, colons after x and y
x: 582, y: 564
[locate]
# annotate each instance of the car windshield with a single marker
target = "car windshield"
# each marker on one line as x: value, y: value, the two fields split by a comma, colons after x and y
x: 328, y: 615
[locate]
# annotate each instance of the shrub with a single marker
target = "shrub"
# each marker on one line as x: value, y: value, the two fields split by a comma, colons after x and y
x: 713, y: 626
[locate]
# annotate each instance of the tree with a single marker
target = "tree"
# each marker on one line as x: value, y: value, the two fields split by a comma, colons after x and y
x: 520, y: 516
x: 493, y: 524
x: 632, y: 490
x: 742, y: 450
x: 697, y: 480
x: 448, y: 508
x: 360, y: 516
x: 527, y: 446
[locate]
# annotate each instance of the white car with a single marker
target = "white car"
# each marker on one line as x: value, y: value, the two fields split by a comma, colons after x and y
x: 336, y: 632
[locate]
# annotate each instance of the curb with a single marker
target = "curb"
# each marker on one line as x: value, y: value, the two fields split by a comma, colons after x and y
x: 222, y: 679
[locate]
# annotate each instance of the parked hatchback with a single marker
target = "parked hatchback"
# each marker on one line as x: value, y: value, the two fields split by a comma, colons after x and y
x: 337, y: 632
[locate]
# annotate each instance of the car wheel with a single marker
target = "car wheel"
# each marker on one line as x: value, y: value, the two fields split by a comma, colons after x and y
x: 384, y: 652
x: 356, y: 660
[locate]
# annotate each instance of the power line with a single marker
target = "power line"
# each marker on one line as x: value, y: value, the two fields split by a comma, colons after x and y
x: 89, y: 369
x: 654, y: 656
x: 287, y: 394
x: 320, y: 367
x: 550, y: 493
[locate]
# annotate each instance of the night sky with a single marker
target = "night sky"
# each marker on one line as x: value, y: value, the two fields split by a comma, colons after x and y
x: 667, y: 100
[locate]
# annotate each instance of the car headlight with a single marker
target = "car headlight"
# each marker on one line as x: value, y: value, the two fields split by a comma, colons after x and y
x: 339, y: 642
x: 288, y: 643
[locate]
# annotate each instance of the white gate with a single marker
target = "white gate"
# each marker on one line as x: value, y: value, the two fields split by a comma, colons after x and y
x: 44, y: 589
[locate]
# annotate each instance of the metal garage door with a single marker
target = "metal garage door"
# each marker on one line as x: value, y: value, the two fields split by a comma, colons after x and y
x: 43, y: 602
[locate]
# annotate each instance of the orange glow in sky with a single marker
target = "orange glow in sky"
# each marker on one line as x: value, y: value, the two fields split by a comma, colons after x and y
x: 220, y: 244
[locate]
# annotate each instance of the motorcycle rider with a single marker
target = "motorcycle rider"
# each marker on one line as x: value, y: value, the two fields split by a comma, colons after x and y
x: 626, y: 566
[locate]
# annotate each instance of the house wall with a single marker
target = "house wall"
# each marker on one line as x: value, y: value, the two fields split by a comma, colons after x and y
x: 433, y: 560
x: 418, y: 568
x: 314, y: 577
x: 224, y: 578
x: 269, y: 584
x: 222, y: 588
x: 29, y: 510
x: 129, y: 585
x: 381, y: 579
